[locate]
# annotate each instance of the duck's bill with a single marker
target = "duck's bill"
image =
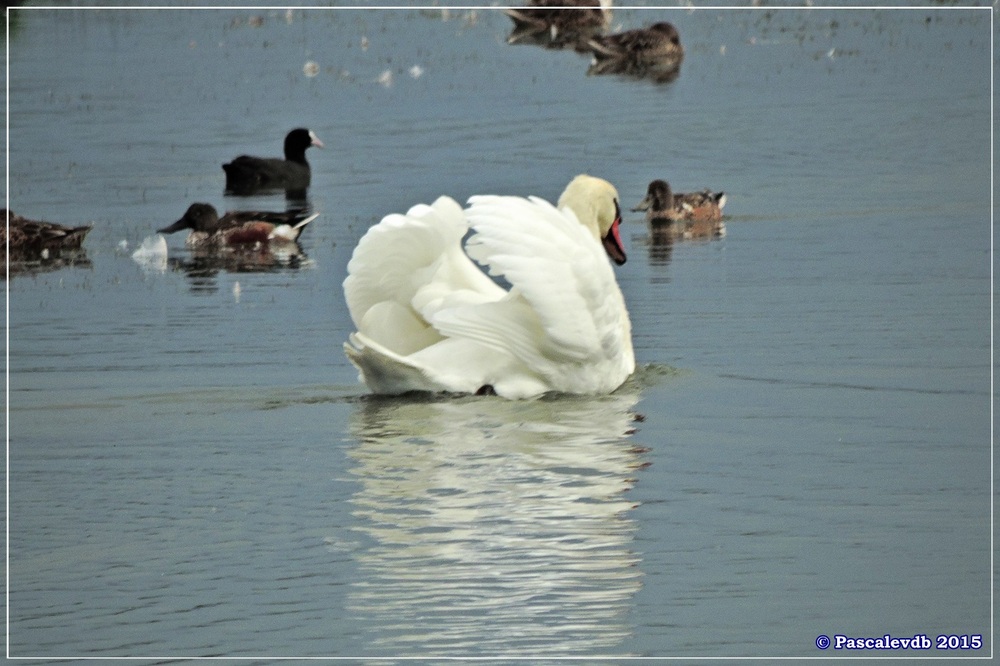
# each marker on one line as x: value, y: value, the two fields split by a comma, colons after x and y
x: 176, y: 226
x: 642, y: 205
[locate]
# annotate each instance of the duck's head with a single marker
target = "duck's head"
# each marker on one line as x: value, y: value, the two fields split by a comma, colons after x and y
x: 198, y: 217
x: 595, y: 203
x: 658, y: 197
x: 667, y: 31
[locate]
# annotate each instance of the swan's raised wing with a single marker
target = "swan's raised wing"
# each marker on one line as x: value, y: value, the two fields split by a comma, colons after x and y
x: 565, y: 306
x: 415, y: 262
x: 403, y: 271
x: 429, y: 318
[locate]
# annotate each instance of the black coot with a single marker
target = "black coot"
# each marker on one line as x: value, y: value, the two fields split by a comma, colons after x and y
x: 247, y: 175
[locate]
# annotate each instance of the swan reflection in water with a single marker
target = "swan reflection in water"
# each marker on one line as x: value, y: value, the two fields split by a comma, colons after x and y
x: 495, y: 526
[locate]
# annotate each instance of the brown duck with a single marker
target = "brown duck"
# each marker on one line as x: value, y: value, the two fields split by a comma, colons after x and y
x: 654, y: 52
x: 239, y: 228
x: 34, y: 239
x: 693, y: 215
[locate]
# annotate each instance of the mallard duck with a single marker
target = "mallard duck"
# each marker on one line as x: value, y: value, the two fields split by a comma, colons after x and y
x: 35, y: 239
x: 238, y: 228
x: 559, y: 23
x: 653, y: 51
x: 694, y: 215
x: 429, y: 319
x: 251, y: 175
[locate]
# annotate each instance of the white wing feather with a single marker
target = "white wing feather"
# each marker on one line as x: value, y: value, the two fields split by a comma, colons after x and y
x: 428, y: 318
x: 562, y: 274
x: 416, y: 262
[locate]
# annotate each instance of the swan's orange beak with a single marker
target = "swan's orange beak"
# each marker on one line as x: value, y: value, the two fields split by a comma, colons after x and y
x: 612, y: 242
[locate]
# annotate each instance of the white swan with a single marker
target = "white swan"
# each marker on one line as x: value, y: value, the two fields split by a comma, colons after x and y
x: 430, y: 319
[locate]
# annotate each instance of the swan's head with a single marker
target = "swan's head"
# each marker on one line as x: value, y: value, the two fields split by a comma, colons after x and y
x: 595, y: 203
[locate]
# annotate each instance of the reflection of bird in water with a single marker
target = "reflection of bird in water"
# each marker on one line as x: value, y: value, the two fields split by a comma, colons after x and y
x: 45, y: 243
x: 204, y: 263
x: 495, y: 527
x: 654, y: 52
x: 661, y: 245
x: 239, y: 228
x: 673, y: 216
x: 559, y: 23
x: 248, y: 175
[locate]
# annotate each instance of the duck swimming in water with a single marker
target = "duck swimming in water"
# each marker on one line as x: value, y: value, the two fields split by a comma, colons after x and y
x: 693, y: 215
x: 34, y: 239
x: 653, y: 52
x: 238, y: 228
x: 559, y: 23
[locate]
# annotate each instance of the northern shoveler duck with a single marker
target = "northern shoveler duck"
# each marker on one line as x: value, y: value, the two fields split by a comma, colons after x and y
x: 654, y: 51
x: 694, y: 215
x: 239, y: 228
x: 33, y: 239
x: 559, y: 23
x: 250, y: 175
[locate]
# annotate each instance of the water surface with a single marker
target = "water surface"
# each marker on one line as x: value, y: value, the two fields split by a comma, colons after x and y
x: 195, y: 471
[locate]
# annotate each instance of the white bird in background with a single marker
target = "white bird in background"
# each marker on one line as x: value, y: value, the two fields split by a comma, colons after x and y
x: 429, y: 319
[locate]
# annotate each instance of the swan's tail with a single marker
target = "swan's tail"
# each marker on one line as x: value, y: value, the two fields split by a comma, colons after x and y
x: 383, y: 371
